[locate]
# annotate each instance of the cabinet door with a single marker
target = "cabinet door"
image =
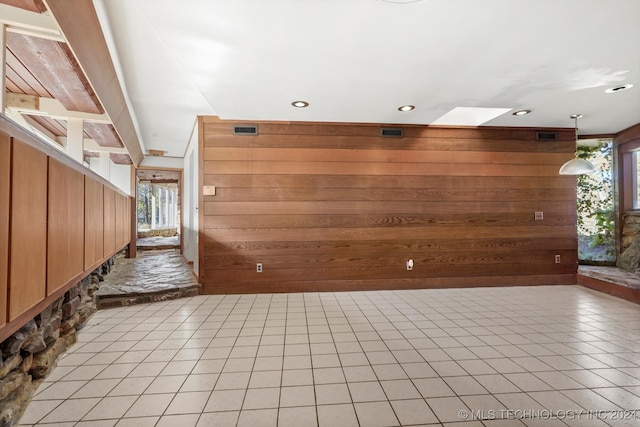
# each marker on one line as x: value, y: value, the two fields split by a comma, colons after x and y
x: 94, y: 222
x: 65, y: 225
x: 109, y: 221
x: 27, y: 271
x: 5, y: 179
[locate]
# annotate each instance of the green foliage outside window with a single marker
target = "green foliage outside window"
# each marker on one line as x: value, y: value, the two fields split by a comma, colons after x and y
x: 596, y: 219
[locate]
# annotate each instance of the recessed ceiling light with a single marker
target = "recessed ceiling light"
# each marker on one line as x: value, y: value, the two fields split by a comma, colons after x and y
x: 300, y: 104
x: 521, y: 112
x: 619, y: 88
x: 407, y: 108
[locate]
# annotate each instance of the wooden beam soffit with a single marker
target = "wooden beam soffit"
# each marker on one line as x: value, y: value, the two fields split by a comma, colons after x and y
x: 80, y: 26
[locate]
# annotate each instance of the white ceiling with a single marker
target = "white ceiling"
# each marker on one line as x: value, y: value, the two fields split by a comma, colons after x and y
x: 359, y: 60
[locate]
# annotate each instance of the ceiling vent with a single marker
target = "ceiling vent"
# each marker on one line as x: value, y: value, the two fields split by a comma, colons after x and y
x: 156, y: 153
x: 546, y: 136
x: 392, y: 132
x: 245, y: 130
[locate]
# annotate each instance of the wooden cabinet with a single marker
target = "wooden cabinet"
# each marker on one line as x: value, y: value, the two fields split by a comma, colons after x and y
x: 65, y: 228
x: 27, y: 270
x: 93, y: 222
x: 5, y: 180
x: 109, y: 215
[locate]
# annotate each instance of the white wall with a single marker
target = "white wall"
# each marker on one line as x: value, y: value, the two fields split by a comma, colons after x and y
x: 118, y: 175
x: 190, y: 200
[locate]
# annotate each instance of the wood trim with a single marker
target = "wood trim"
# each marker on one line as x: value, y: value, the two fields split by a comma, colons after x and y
x: 181, y: 196
x: 133, y: 226
x: 609, y: 288
x: 398, y: 284
x: 200, y: 205
x: 618, y: 188
x: 81, y: 27
x: 629, y: 146
x: 628, y: 135
x: 5, y: 209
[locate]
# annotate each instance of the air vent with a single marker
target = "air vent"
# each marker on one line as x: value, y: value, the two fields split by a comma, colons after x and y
x: 245, y: 130
x: 546, y: 136
x: 392, y: 132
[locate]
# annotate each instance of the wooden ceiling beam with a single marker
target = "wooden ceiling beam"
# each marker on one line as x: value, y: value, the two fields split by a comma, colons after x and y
x: 36, y: 105
x: 80, y: 26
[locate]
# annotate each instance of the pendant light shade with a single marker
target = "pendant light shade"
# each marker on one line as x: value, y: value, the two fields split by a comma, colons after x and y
x: 577, y: 166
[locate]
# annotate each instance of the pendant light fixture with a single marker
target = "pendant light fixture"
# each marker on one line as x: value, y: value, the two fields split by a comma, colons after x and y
x: 577, y: 166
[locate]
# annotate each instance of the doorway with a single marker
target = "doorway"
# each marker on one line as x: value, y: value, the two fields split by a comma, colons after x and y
x: 158, y: 209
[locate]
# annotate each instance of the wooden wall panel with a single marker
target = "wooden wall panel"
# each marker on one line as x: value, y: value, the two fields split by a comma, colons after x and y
x: 27, y: 276
x: 65, y: 228
x: 336, y: 207
x: 109, y: 221
x: 5, y: 193
x: 94, y: 223
x: 43, y: 231
x: 122, y: 220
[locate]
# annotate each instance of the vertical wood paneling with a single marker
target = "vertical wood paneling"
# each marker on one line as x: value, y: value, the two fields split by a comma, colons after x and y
x: 336, y: 207
x: 129, y: 217
x: 65, y: 229
x: 27, y: 277
x: 5, y: 181
x: 47, y: 241
x: 94, y: 222
x: 109, y: 221
x: 122, y: 218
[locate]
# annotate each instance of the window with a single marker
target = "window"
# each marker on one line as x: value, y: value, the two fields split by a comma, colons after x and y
x: 157, y: 206
x: 596, y: 217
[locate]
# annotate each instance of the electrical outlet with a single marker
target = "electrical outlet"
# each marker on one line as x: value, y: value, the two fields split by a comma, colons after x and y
x: 557, y: 259
x: 410, y: 264
x: 539, y: 216
x: 259, y: 267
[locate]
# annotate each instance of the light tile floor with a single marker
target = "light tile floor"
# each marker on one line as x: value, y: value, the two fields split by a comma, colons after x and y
x: 525, y: 356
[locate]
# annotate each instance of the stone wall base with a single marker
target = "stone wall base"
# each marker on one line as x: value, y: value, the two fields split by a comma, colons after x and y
x: 31, y: 353
x: 629, y: 259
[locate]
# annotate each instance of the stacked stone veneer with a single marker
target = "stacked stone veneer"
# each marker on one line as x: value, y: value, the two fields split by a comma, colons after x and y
x: 629, y: 259
x: 30, y: 354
